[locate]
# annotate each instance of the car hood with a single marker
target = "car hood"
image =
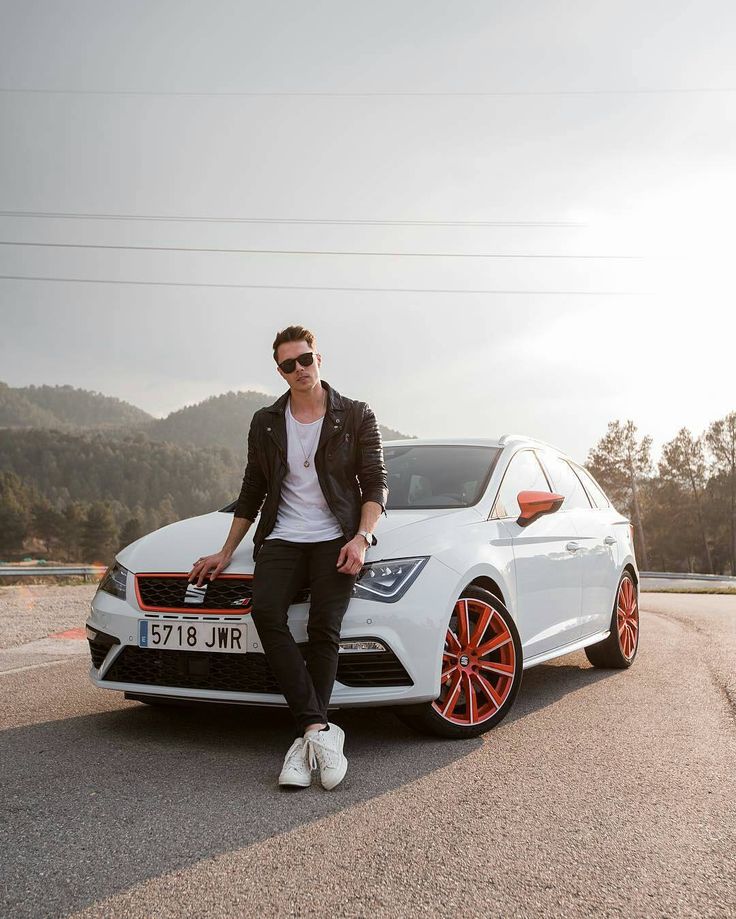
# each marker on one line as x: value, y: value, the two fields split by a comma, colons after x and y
x: 176, y: 547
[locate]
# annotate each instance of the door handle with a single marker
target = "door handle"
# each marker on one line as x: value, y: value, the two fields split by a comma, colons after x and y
x: 572, y: 546
x: 610, y: 541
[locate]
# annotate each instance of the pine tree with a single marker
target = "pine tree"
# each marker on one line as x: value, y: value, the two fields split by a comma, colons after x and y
x: 100, y: 534
x: 132, y: 530
x: 721, y: 440
x: 683, y: 462
x: 15, y: 515
x: 621, y: 464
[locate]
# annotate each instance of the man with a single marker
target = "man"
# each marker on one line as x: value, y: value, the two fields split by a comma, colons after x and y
x: 317, y: 459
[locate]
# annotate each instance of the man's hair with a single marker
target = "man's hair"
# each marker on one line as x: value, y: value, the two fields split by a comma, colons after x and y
x: 293, y: 333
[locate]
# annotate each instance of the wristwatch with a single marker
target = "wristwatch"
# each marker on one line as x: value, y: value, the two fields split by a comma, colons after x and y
x: 368, y: 537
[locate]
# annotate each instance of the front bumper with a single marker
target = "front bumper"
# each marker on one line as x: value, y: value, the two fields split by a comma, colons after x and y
x: 411, y: 631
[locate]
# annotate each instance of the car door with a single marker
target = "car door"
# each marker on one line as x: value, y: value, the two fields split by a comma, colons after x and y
x: 598, y: 534
x: 597, y: 541
x: 547, y: 565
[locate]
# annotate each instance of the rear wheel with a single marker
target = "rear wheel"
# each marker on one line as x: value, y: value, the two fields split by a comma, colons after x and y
x: 481, y: 670
x: 619, y: 649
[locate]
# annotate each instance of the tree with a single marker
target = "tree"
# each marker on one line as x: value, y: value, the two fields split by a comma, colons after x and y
x: 683, y: 462
x: 132, y: 530
x: 621, y: 463
x: 75, y: 516
x: 47, y: 525
x: 15, y: 516
x: 721, y: 440
x: 99, y: 534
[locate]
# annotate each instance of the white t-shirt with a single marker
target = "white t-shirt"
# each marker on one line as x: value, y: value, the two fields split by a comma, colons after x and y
x: 303, y: 514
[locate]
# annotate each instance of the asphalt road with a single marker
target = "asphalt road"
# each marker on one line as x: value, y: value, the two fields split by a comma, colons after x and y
x: 603, y: 793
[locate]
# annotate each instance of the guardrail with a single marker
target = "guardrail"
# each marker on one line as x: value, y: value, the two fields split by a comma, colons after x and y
x: 20, y: 571
x: 673, y: 575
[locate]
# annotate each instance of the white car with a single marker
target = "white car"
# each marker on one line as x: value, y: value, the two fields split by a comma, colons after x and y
x: 494, y: 556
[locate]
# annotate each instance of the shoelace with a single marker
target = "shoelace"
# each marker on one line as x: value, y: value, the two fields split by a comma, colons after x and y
x: 298, y: 753
x: 318, y: 754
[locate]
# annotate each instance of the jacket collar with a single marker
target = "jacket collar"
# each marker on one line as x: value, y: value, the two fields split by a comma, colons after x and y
x: 335, y: 405
x: 332, y: 424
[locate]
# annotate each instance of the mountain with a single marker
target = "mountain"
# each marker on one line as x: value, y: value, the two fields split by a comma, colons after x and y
x: 64, y: 407
x: 129, y: 471
x: 219, y: 421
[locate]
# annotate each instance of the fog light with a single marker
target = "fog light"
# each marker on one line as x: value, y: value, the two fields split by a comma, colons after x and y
x: 361, y: 644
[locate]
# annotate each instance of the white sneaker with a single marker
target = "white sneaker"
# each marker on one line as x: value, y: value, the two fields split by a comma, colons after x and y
x: 296, y: 771
x: 323, y: 750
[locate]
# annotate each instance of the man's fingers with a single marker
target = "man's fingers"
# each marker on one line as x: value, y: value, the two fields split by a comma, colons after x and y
x: 202, y: 574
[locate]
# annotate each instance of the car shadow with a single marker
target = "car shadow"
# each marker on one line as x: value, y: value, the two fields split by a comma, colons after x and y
x: 103, y: 802
x: 546, y: 684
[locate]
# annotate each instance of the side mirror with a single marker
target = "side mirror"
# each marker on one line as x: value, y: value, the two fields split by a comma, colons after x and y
x: 534, y: 504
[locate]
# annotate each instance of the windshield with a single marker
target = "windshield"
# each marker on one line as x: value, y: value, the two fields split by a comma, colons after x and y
x: 445, y: 475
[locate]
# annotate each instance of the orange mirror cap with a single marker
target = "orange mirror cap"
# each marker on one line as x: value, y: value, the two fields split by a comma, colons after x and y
x: 538, y: 502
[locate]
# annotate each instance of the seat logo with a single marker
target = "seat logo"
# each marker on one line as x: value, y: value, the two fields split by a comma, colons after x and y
x: 194, y: 595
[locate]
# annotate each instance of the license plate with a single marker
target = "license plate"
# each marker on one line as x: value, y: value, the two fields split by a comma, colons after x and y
x: 192, y: 636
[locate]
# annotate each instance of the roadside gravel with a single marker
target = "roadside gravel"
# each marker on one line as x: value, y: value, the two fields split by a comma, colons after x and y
x: 35, y: 611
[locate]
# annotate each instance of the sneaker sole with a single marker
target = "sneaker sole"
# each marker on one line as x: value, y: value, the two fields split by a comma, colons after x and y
x: 344, y: 766
x: 295, y: 784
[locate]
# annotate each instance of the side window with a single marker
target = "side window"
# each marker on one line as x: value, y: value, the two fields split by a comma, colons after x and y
x: 565, y: 482
x: 592, y: 487
x: 523, y: 474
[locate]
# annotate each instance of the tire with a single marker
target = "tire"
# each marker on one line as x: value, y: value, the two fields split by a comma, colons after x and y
x: 477, y: 690
x: 619, y: 649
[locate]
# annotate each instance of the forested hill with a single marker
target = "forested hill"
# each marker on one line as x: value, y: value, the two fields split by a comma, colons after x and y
x: 221, y: 420
x: 131, y: 471
x: 64, y: 407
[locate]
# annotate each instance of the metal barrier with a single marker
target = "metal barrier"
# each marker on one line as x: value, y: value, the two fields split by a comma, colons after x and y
x: 20, y: 571
x: 686, y: 576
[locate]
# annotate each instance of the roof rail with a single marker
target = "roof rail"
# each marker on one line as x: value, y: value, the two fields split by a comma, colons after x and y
x: 510, y: 438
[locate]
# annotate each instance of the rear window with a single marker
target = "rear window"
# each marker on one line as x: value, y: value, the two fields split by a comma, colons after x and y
x: 592, y: 487
x: 566, y: 483
x: 445, y: 475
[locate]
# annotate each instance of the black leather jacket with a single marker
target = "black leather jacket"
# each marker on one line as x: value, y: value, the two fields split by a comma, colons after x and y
x: 348, y: 461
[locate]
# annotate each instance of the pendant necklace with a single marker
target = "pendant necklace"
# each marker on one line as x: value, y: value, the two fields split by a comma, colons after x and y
x: 298, y: 437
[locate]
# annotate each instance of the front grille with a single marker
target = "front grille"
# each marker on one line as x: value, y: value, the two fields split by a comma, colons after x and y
x: 227, y: 593
x: 193, y: 670
x: 241, y: 672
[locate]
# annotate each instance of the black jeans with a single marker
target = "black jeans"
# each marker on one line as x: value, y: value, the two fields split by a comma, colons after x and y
x: 282, y: 569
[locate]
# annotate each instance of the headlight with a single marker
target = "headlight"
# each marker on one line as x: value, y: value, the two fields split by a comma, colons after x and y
x: 388, y: 581
x: 114, y: 581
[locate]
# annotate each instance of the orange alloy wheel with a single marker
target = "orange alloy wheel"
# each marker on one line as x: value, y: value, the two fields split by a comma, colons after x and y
x: 627, y: 618
x: 478, y: 664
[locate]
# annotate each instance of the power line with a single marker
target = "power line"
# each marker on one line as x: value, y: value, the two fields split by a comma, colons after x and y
x: 295, y: 220
x: 373, y: 95
x: 393, y: 290
x: 487, y: 255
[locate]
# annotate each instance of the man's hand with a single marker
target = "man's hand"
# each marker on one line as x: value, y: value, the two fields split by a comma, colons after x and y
x: 352, y: 554
x: 208, y: 566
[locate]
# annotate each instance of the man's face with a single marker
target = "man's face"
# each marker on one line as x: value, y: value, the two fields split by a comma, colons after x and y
x: 301, y: 379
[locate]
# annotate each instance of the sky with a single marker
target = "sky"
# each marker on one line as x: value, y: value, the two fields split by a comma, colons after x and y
x: 495, y: 216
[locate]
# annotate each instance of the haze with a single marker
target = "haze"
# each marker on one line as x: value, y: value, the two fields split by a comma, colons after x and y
x: 607, y: 130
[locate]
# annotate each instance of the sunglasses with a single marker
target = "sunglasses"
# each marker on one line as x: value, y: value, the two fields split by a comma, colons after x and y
x: 289, y: 365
